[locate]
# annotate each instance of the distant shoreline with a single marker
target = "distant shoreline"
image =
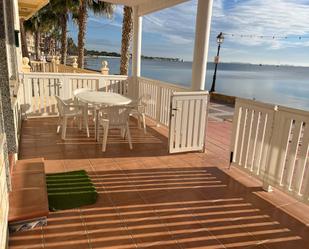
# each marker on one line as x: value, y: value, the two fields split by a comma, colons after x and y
x: 97, y: 54
x: 209, y: 62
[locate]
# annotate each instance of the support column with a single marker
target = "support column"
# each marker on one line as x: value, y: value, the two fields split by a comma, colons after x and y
x: 137, y: 43
x: 202, y: 33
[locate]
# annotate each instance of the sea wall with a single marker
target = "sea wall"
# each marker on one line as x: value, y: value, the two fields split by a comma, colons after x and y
x: 223, y: 99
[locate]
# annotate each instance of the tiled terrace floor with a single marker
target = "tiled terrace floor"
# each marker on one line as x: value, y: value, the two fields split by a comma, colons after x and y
x: 149, y: 199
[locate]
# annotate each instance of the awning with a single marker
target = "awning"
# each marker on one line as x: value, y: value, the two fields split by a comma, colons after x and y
x: 147, y: 6
x: 28, y: 8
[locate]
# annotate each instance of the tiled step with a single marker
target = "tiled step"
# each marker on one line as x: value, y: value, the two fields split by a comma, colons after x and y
x: 28, y: 198
x: 26, y: 180
x: 27, y: 204
x: 29, y: 165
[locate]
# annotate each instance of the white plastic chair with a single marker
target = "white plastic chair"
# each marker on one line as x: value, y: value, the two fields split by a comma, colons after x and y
x: 80, y: 90
x: 139, y: 110
x: 70, y: 111
x: 115, y: 117
x: 78, y: 102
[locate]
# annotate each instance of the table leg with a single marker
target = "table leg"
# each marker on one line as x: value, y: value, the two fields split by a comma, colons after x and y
x: 96, y: 132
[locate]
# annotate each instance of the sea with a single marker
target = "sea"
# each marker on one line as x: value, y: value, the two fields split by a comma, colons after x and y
x: 275, y: 84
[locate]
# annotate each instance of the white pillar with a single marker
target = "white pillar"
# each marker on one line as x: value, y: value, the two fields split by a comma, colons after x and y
x: 137, y: 43
x: 202, y: 33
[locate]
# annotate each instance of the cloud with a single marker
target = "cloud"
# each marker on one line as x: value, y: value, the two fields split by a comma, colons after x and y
x: 115, y: 20
x: 102, y: 44
x: 260, y: 17
x: 176, y: 24
x: 94, y: 22
x: 174, y: 27
x: 247, y: 17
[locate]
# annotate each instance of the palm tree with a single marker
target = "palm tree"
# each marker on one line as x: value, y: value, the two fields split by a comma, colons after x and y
x: 82, y: 22
x: 50, y: 19
x: 62, y: 8
x: 72, y: 48
x: 64, y: 29
x: 51, y: 41
x: 98, y: 8
x: 44, y: 21
x: 126, y: 39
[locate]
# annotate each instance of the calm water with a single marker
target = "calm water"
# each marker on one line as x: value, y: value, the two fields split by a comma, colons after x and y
x: 284, y: 85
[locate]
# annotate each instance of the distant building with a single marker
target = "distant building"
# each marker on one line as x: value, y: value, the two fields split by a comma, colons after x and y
x: 46, y: 44
x: 30, y: 42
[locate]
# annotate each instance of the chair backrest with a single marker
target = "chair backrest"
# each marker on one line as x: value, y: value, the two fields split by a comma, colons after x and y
x: 60, y: 105
x: 117, y: 115
x: 77, y: 91
x: 144, y: 99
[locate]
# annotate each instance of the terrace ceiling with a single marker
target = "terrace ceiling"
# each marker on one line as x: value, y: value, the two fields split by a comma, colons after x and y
x: 147, y: 6
x: 28, y: 8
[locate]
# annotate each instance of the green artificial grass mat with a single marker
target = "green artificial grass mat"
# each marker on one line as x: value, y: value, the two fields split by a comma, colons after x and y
x: 70, y: 190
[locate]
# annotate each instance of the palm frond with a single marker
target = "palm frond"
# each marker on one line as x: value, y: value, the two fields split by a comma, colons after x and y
x: 101, y: 8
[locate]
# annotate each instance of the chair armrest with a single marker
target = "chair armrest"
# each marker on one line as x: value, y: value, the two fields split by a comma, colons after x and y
x: 76, y: 106
x: 68, y: 101
x: 68, y: 107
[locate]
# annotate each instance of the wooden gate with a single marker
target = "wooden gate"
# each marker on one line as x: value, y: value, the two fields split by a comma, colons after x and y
x: 188, y: 119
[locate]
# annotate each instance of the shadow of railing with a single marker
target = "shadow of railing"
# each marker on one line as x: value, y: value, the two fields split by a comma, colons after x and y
x: 177, y: 207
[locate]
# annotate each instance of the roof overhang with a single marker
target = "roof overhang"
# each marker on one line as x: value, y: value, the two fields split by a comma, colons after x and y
x: 28, y: 8
x: 147, y: 6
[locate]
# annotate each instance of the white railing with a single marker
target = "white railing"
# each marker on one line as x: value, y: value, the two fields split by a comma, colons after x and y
x: 40, y: 88
x: 43, y: 67
x: 53, y: 67
x: 160, y: 94
x: 271, y: 143
x: 4, y: 202
x: 252, y: 127
x: 288, y: 164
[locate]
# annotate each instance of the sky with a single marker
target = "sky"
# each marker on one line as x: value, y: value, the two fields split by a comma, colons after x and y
x: 170, y: 32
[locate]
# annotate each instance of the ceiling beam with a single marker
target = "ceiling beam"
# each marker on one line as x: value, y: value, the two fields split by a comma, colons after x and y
x: 26, y: 9
x: 27, y: 5
x: 152, y: 6
x: 130, y: 3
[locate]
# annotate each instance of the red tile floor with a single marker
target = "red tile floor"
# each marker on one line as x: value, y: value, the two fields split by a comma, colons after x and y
x: 150, y: 199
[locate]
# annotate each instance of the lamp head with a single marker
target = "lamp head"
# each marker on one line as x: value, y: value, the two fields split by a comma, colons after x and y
x: 220, y: 38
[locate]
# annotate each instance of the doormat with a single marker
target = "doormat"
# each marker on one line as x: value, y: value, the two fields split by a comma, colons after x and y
x: 70, y: 190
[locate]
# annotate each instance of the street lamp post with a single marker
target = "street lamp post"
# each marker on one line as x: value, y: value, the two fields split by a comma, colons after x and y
x: 220, y: 39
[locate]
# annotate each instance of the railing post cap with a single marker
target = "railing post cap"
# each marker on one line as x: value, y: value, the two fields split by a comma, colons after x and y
x: 25, y: 61
x: 74, y: 64
x: 104, y: 64
x: 25, y: 65
x: 104, y: 69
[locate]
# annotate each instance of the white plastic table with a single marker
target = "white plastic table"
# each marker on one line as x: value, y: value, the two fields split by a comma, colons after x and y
x: 103, y: 98
x: 98, y: 99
